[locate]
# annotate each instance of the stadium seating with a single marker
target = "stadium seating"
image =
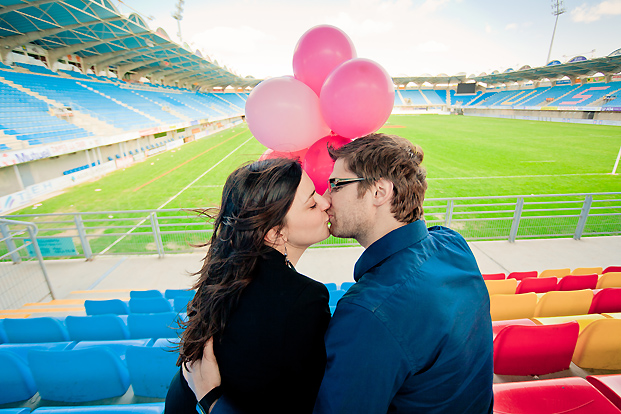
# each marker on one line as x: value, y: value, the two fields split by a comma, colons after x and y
x: 496, y: 287
x: 555, y: 272
x: 150, y: 305
x: 152, y: 325
x: 330, y: 286
x: 498, y: 326
x: 609, y: 280
x: 462, y: 99
x: 559, y: 303
x: 96, y: 328
x: 175, y: 293
x: 522, y: 275
x: 612, y: 269
x: 583, y: 320
x: 16, y: 382
x: 78, y: 375
x: 151, y: 369
x: 585, y: 94
x: 144, y: 294
x: 587, y: 271
x: 106, y: 307
x: 14, y: 411
x: 346, y: 285
x: 3, y: 337
x: 494, y: 276
x: 148, y: 408
x: 599, y: 345
x: 551, y: 396
x: 534, y: 350
x: 609, y: 385
x: 413, y: 97
x: 512, y: 306
x: 435, y: 97
x: 537, y: 285
x: 335, y: 296
x: 572, y: 282
x: 606, y: 300
x: 33, y: 330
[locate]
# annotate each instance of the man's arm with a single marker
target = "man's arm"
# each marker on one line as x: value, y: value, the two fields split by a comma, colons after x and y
x: 366, y: 365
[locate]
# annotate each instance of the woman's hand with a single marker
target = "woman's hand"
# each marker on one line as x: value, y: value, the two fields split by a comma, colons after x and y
x: 203, y: 375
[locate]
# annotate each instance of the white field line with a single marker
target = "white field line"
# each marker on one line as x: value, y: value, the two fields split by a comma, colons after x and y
x: 512, y: 176
x: 175, y: 196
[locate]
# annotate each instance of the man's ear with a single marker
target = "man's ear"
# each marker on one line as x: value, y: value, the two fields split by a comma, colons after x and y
x: 383, y: 192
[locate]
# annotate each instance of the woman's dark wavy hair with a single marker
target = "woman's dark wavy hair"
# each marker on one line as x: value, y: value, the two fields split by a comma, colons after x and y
x: 255, y: 199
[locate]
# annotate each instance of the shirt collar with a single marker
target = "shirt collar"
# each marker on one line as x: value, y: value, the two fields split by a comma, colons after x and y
x: 388, y: 245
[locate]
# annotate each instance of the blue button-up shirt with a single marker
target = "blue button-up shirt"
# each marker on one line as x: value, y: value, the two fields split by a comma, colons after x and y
x: 414, y: 334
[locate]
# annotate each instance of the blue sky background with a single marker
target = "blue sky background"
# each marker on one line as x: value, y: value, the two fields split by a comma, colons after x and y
x: 407, y: 37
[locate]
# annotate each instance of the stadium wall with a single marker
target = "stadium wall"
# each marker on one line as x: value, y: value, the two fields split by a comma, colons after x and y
x: 575, y: 117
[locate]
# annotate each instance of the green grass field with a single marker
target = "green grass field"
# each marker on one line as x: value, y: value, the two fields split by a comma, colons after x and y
x: 464, y: 157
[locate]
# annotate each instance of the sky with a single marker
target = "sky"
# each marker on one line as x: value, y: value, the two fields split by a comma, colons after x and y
x: 406, y: 37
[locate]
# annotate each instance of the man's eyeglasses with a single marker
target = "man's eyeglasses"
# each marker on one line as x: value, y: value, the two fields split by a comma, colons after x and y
x: 340, y: 182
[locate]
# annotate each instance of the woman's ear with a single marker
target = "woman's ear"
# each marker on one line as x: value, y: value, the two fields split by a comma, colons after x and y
x: 275, y: 237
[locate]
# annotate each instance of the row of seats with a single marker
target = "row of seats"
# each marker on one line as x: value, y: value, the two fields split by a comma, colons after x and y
x: 580, y: 271
x: 547, y: 284
x: 148, y: 408
x: 540, y: 346
x: 142, y: 301
x: 554, y: 303
x: 87, y: 370
x: 90, y: 328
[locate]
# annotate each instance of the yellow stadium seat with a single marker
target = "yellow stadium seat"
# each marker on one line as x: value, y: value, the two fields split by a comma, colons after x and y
x: 501, y: 287
x: 614, y: 315
x: 580, y: 271
x: 599, y: 345
x: 607, y: 280
x: 555, y: 272
x: 505, y: 307
x: 564, y: 303
x: 583, y: 320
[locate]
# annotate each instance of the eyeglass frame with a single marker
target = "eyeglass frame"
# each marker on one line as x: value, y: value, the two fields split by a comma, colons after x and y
x: 340, y: 182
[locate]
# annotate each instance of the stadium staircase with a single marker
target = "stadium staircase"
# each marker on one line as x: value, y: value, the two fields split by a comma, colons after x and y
x: 399, y: 101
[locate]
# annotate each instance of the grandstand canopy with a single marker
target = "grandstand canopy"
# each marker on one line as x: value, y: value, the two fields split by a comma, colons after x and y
x: 434, y: 80
x: 100, y: 36
x: 606, y: 65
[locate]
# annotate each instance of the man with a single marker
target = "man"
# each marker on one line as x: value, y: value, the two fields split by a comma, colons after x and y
x: 413, y: 335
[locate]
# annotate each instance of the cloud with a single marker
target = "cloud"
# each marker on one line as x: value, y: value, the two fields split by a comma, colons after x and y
x: 511, y: 26
x: 588, y: 14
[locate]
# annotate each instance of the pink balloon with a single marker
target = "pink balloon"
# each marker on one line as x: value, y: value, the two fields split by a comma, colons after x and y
x: 357, y: 98
x: 296, y: 155
x: 283, y: 114
x: 317, y: 162
x: 319, y: 51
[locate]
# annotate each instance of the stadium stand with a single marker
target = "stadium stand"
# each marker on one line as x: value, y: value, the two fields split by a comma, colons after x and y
x: 512, y: 306
x: 608, y: 280
x: 572, y: 282
x: 522, y: 275
x: 599, y: 345
x: 558, y: 303
x: 609, y: 385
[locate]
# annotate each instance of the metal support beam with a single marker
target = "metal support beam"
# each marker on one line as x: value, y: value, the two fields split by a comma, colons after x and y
x: 517, y: 215
x: 584, y: 215
x: 122, y: 70
x: 54, y: 54
x: 19, y: 6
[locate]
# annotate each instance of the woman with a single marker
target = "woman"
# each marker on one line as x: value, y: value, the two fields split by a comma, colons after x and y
x: 267, y: 320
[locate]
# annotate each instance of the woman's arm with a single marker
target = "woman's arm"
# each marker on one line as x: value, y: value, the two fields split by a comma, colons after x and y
x: 203, y: 378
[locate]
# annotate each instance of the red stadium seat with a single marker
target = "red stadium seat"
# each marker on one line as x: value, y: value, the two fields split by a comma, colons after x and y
x: 612, y: 269
x: 534, y: 350
x: 522, y: 275
x: 537, y: 285
x: 606, y: 301
x: 498, y: 326
x: 572, y: 282
x: 494, y: 276
x: 609, y: 385
x: 553, y: 396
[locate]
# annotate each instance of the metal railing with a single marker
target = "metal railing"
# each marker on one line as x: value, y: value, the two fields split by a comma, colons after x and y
x: 23, y: 277
x: 167, y: 231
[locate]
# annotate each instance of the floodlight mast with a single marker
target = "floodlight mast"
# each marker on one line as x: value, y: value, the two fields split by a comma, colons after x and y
x: 557, y: 10
x: 178, y: 16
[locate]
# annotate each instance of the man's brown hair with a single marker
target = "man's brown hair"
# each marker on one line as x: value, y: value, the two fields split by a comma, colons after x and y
x: 395, y: 159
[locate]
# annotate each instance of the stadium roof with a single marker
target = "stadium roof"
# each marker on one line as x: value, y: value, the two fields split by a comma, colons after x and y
x: 97, y: 33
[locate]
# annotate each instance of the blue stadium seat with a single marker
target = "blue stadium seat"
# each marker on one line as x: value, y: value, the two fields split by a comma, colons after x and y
x: 150, y: 305
x: 106, y: 307
x: 173, y: 293
x: 346, y: 285
x: 149, y: 408
x: 180, y: 303
x: 150, y: 370
x: 335, y: 295
x: 142, y: 294
x: 16, y: 382
x: 330, y: 286
x: 14, y: 410
x: 78, y: 375
x: 35, y: 330
x: 153, y: 325
x: 96, y: 327
x: 3, y: 337
x: 118, y: 347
